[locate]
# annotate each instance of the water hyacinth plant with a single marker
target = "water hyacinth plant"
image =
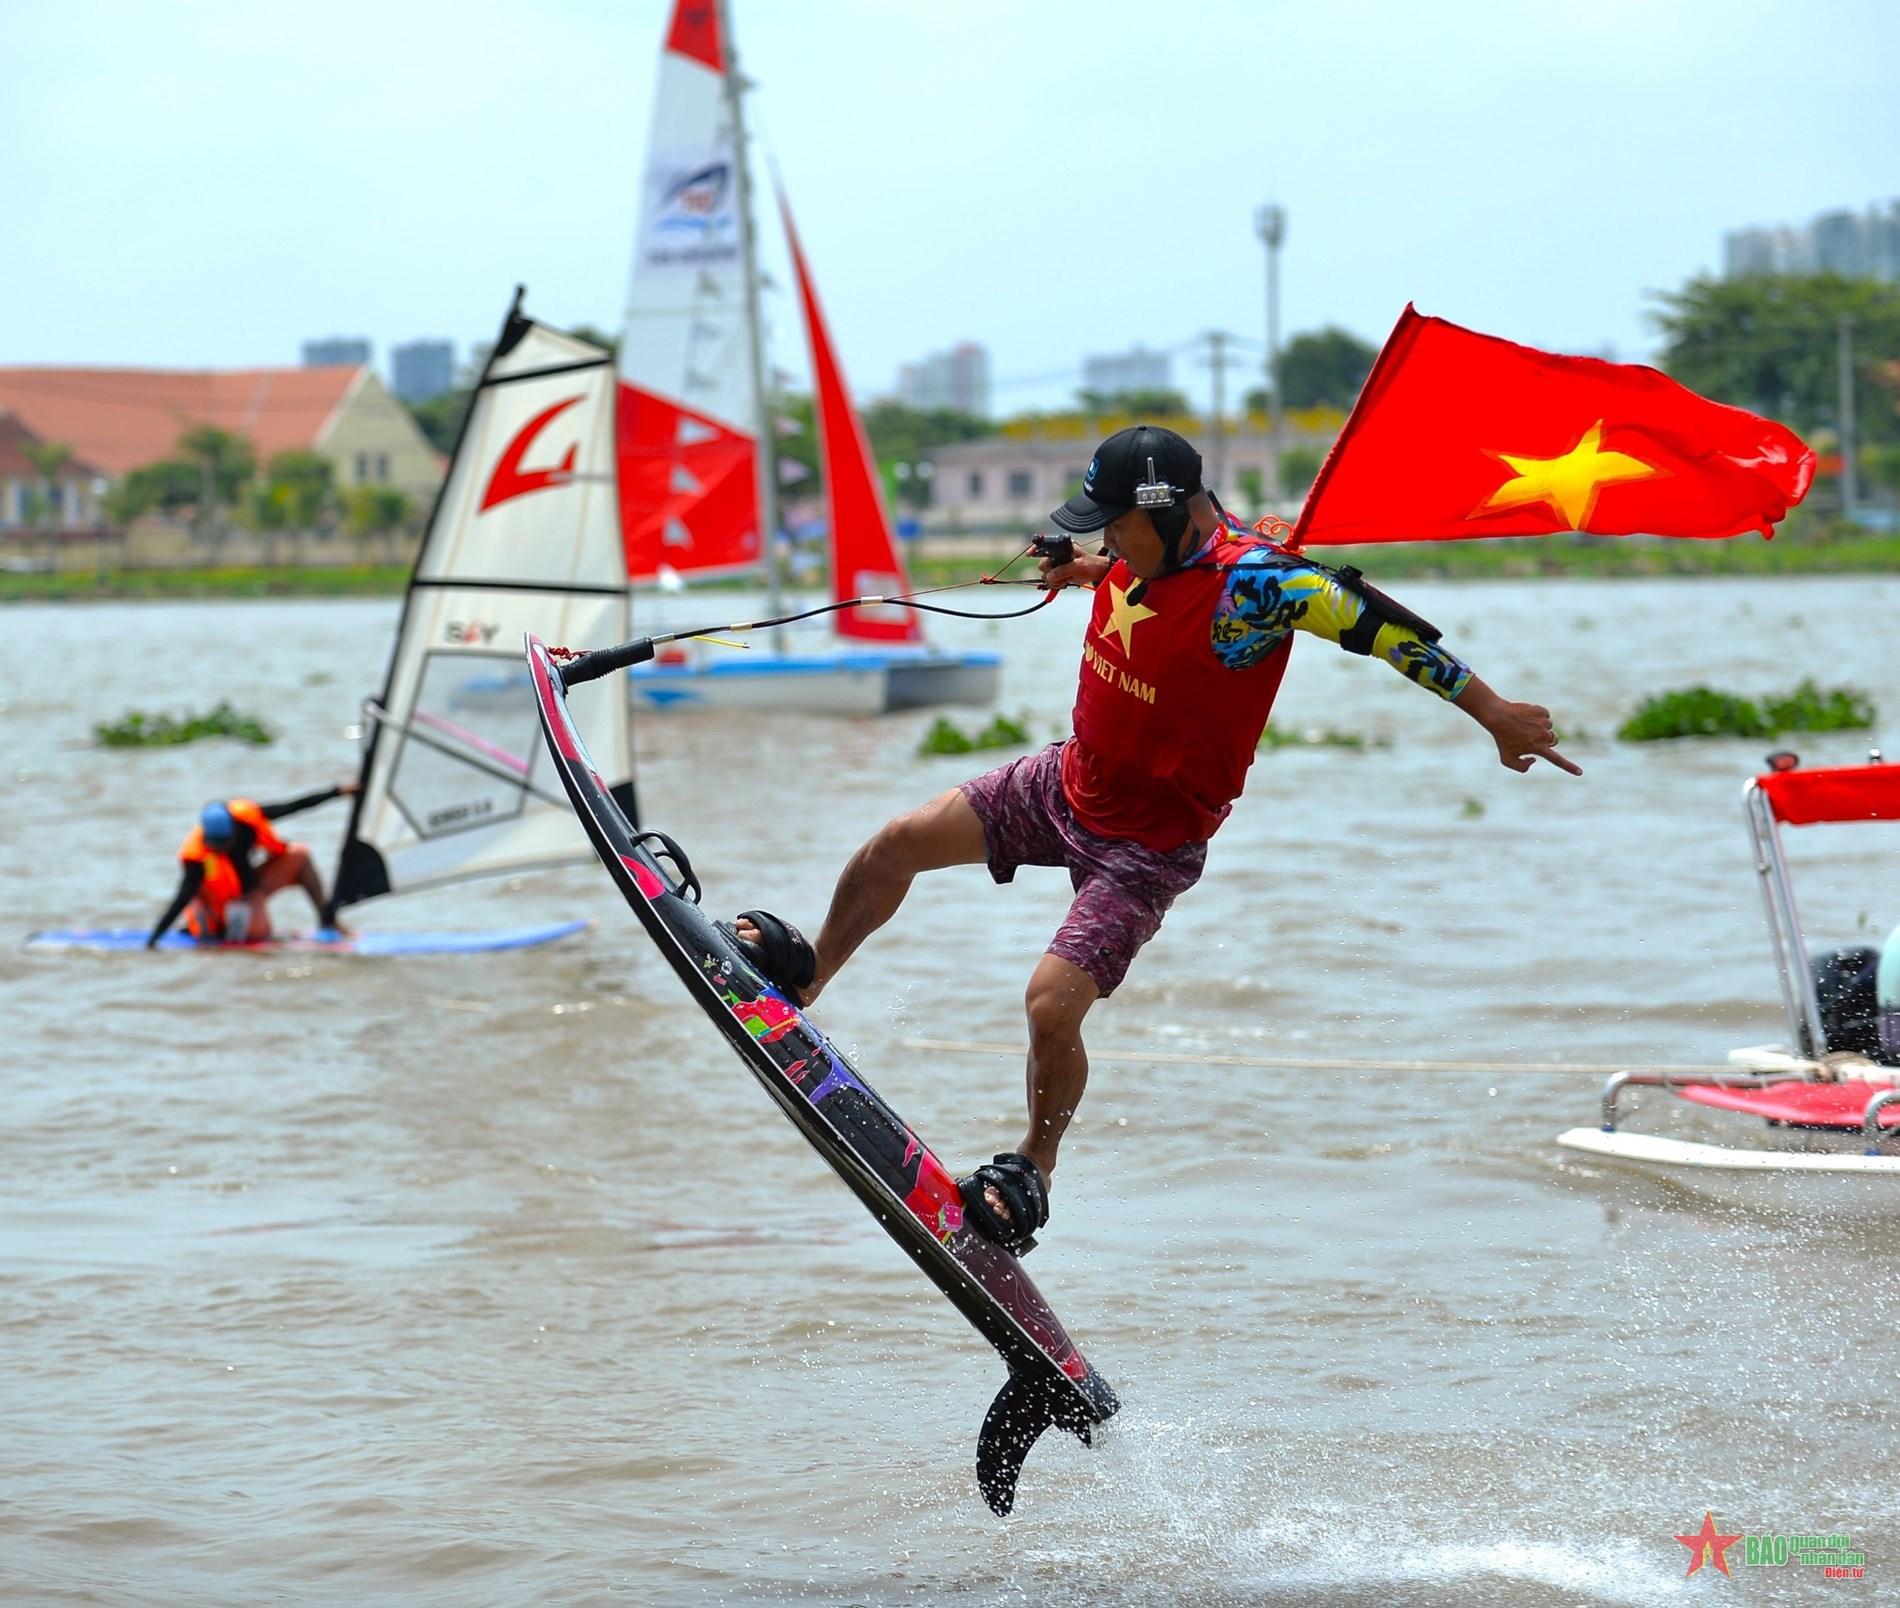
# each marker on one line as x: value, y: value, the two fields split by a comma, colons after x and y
x: 944, y: 738
x: 1317, y: 737
x: 136, y: 729
x: 1704, y: 712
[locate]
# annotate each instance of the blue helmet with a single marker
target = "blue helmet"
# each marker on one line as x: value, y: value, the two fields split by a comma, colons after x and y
x: 214, y: 820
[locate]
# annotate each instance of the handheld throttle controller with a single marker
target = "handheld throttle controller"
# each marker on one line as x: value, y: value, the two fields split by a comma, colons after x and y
x: 1059, y: 550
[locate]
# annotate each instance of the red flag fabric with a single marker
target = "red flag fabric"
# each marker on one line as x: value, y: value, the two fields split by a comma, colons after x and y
x: 1458, y: 434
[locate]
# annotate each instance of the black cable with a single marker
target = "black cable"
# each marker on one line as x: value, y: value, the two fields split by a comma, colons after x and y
x: 582, y: 667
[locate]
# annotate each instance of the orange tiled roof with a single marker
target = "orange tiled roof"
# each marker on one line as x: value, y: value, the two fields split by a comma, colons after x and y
x: 15, y: 438
x: 120, y: 418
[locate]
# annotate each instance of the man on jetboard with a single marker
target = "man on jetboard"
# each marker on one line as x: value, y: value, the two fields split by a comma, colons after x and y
x: 1188, y: 639
x: 234, y: 861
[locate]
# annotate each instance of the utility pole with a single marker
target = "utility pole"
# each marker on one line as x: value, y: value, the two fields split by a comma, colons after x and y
x: 1270, y: 224
x: 1850, y: 492
x: 1217, y: 340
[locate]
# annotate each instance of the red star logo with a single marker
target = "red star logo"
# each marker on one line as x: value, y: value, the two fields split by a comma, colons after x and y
x: 1707, y: 1546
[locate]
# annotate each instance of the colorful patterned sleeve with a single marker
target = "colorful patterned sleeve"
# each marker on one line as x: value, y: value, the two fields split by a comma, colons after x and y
x: 1271, y: 592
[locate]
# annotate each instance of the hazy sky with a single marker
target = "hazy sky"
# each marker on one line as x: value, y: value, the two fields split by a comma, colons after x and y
x: 210, y: 183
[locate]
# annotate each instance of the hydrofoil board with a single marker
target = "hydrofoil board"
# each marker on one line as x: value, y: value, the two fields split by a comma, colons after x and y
x: 903, y: 1185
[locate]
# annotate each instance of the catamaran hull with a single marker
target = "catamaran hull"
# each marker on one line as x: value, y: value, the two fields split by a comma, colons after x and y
x: 853, y: 683
x: 1834, y: 1183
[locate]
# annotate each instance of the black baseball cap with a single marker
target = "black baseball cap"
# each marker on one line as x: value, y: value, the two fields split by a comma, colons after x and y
x: 1141, y: 455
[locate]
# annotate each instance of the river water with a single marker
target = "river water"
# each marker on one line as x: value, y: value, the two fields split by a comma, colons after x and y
x: 496, y: 1279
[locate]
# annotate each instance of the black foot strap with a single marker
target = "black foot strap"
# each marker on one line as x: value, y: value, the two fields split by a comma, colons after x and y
x: 1014, y: 1423
x: 1019, y: 1181
x: 781, y: 953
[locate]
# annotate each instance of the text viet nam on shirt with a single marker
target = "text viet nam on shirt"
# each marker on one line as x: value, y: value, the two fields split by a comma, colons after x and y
x: 1176, y: 685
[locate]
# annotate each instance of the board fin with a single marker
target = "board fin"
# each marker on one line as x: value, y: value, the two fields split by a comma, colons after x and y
x: 1023, y: 1409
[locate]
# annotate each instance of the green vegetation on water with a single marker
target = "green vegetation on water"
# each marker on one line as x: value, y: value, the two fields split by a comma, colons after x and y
x: 1318, y: 737
x: 1001, y: 732
x: 1704, y: 712
x: 136, y: 729
x: 341, y: 580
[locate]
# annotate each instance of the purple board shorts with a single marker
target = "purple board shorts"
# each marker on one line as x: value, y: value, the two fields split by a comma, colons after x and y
x: 1122, y: 889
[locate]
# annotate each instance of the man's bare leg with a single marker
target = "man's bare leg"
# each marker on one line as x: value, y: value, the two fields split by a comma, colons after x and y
x: 1059, y: 996
x: 946, y: 831
x: 295, y: 866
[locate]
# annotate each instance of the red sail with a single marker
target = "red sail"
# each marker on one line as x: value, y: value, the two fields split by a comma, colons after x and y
x: 689, y: 496
x: 864, y: 559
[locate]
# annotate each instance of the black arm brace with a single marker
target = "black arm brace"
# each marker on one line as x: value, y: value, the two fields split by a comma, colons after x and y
x: 1379, y: 610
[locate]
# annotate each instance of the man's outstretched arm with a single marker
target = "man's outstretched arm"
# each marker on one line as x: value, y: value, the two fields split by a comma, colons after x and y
x: 309, y: 801
x: 188, y: 886
x: 1287, y: 591
x: 1523, y: 732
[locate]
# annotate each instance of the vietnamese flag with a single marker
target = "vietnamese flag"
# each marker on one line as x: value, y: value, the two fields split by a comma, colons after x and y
x: 1458, y: 434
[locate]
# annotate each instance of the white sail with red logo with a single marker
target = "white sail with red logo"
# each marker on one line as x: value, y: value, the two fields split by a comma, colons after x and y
x: 864, y: 559
x: 525, y: 536
x: 688, y: 431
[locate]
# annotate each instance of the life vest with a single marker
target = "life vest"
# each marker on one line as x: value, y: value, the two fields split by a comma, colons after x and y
x: 223, y: 879
x: 1165, y: 732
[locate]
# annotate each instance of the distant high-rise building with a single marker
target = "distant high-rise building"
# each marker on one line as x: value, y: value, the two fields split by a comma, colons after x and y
x: 958, y: 378
x: 1840, y: 243
x: 1883, y: 241
x: 1137, y: 369
x: 336, y: 349
x: 1767, y: 251
x: 1856, y: 245
x: 422, y: 369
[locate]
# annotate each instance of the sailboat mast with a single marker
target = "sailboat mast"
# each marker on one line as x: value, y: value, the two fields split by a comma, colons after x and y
x: 749, y: 255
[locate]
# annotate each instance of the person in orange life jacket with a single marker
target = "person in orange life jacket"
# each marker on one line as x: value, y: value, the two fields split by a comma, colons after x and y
x: 1192, y: 623
x: 234, y: 861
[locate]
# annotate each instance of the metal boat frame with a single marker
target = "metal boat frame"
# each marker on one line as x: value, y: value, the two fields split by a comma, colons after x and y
x: 1842, y: 794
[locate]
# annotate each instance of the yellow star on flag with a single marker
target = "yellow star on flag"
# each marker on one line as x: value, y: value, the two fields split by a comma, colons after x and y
x: 1123, y: 617
x: 1571, y: 483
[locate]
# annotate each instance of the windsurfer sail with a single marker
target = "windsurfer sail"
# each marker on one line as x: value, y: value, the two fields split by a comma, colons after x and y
x: 698, y: 475
x: 525, y: 532
x: 691, y: 496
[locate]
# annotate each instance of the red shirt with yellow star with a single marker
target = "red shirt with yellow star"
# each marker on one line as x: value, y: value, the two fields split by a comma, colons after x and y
x: 1176, y: 688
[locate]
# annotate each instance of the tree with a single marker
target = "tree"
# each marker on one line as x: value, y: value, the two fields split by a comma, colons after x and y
x: 1150, y: 401
x: 375, y: 511
x: 306, y: 482
x: 1771, y: 343
x: 170, y: 486
x: 49, y: 460
x: 1882, y: 465
x: 595, y: 337
x: 294, y: 493
x: 1299, y: 468
x: 440, y: 418
x: 1325, y: 369
x: 905, y: 435
x: 225, y: 462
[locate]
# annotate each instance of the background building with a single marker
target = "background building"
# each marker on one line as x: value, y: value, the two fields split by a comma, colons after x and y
x: 958, y: 378
x: 422, y: 370
x: 63, y: 503
x: 1858, y: 245
x: 116, y: 420
x: 336, y: 349
x: 1137, y: 369
x: 1007, y: 483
